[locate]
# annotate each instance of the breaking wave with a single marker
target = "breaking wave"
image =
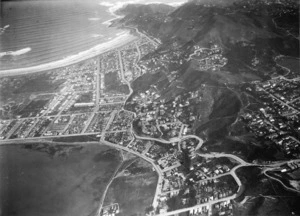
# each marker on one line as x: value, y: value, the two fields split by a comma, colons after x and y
x: 15, y: 53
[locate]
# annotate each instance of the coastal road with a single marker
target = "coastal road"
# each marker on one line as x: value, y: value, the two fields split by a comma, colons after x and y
x: 46, y: 141
x: 43, y: 138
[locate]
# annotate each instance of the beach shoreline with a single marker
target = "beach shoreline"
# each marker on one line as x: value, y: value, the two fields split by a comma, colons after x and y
x: 117, y: 42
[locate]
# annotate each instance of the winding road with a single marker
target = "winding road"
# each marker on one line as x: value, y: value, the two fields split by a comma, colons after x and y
x: 158, y: 192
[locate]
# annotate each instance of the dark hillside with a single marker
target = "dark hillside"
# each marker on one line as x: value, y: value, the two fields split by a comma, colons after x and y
x: 250, y: 35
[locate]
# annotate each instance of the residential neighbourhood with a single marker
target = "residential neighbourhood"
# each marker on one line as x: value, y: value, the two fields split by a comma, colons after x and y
x: 94, y: 101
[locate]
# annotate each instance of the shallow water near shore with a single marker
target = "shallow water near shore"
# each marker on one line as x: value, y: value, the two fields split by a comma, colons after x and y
x: 39, y: 32
x: 54, y: 181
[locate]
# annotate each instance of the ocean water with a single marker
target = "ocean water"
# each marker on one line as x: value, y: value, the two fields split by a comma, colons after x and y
x: 38, y: 32
x: 44, y: 31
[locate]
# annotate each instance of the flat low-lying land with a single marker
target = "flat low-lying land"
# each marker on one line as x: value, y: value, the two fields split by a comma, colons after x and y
x: 49, y: 181
x: 133, y: 188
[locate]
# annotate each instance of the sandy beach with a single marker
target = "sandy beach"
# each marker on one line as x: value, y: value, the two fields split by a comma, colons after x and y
x: 119, y: 41
x: 99, y: 49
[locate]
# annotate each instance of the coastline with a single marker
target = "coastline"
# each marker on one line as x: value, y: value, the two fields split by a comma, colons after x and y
x: 84, y: 55
x: 122, y: 39
x: 116, y: 42
x: 113, y: 8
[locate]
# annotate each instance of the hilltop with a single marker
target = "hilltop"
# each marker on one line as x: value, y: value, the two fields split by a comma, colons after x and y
x: 245, y: 36
x: 217, y: 71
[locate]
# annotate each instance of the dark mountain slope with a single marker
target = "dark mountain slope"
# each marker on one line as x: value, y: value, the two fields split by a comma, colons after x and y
x: 226, y: 25
x: 250, y: 33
